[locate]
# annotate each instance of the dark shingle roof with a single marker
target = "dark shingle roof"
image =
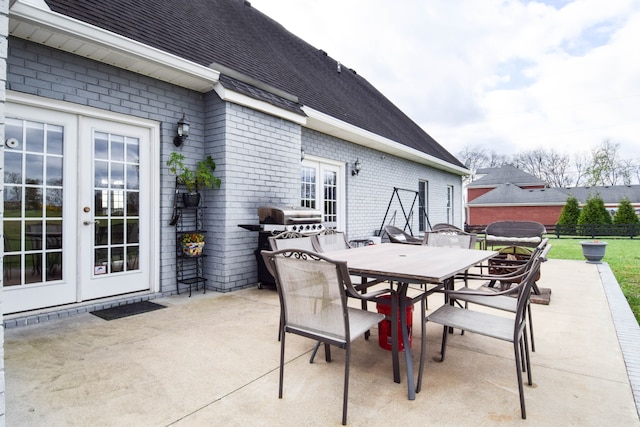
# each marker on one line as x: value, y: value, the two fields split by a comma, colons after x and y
x: 237, y: 36
x: 507, y: 194
x: 503, y: 175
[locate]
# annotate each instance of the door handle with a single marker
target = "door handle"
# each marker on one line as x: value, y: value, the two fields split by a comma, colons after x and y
x: 96, y: 222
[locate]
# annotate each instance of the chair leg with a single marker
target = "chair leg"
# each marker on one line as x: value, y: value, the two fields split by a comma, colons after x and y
x: 315, y: 350
x: 423, y: 345
x: 281, y: 365
x: 345, y: 397
x: 445, y: 336
x: 516, y: 350
x: 533, y: 344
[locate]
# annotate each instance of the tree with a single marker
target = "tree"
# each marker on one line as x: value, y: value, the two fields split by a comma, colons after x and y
x: 570, y: 212
x: 594, y: 211
x: 605, y: 165
x: 625, y: 213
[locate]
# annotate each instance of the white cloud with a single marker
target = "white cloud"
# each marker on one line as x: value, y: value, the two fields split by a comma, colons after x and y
x: 511, y: 75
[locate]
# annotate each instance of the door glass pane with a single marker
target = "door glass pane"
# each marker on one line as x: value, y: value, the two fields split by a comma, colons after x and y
x: 116, y: 210
x: 33, y: 203
x: 330, y: 199
x: 308, y: 187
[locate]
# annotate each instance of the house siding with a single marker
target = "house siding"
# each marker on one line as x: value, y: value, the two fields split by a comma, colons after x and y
x: 257, y: 158
x: 370, y: 192
x: 547, y: 215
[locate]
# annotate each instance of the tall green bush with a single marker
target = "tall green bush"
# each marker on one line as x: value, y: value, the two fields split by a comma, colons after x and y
x: 625, y: 213
x: 570, y: 212
x: 594, y: 211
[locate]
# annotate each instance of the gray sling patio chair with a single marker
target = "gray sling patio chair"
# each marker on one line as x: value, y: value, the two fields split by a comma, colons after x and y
x: 290, y: 240
x: 499, y: 327
x: 450, y: 238
x: 313, y: 292
x: 329, y: 240
x: 503, y: 302
x: 399, y: 236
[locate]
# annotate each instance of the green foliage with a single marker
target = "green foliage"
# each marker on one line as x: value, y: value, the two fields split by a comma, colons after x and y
x: 570, y: 212
x: 625, y: 213
x: 201, y: 177
x: 594, y: 211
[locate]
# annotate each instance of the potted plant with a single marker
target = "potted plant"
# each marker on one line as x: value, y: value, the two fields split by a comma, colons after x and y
x: 192, y: 244
x: 593, y: 250
x: 193, y: 179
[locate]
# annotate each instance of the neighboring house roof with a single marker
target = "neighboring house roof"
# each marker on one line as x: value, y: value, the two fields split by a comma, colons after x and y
x: 510, y: 195
x: 245, y: 41
x: 492, y: 177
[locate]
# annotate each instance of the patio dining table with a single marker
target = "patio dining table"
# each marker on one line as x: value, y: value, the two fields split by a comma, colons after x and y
x: 402, y: 265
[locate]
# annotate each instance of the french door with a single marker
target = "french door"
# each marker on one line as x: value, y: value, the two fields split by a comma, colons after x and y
x: 322, y: 187
x: 77, y: 206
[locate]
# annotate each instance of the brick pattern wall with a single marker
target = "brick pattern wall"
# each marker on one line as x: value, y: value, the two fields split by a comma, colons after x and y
x: 37, y: 70
x: 369, y: 193
x: 543, y: 214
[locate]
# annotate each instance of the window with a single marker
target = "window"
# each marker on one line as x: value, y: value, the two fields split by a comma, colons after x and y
x: 423, y: 205
x: 450, y: 204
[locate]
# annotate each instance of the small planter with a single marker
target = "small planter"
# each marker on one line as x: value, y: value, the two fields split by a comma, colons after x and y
x: 593, y: 251
x: 192, y: 249
x: 191, y: 200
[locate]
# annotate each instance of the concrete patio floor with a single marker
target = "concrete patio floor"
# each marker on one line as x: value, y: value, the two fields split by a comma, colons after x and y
x: 212, y: 360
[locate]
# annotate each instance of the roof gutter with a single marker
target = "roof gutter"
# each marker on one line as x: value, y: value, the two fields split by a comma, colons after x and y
x: 340, y: 129
x: 33, y: 20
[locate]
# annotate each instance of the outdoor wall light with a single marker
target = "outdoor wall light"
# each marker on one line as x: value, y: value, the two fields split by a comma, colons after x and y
x: 301, y: 155
x: 182, y: 132
x: 356, y: 168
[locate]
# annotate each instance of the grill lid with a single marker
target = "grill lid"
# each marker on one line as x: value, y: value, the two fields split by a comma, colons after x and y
x: 288, y: 215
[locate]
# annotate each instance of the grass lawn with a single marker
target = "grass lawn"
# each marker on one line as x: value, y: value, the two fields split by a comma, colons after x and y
x: 623, y: 256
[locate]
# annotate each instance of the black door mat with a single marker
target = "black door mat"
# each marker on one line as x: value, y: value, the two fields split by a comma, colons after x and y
x: 127, y: 310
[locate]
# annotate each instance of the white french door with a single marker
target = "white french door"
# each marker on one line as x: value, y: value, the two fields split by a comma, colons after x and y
x: 114, y: 208
x: 77, y: 208
x: 322, y: 187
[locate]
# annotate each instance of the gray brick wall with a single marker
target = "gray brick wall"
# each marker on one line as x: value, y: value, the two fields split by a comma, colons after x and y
x: 369, y: 193
x: 86, y: 82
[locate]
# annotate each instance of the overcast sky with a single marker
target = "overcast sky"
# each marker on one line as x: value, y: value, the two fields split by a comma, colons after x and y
x: 508, y: 75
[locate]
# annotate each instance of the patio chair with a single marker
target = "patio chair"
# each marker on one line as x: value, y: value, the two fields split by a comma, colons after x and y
x: 504, y: 302
x: 291, y: 240
x: 399, y: 236
x: 442, y: 226
x: 329, y: 240
x: 450, y: 238
x: 499, y: 327
x: 313, y: 292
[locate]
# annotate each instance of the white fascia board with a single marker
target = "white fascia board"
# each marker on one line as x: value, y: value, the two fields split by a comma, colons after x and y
x: 256, y: 104
x: 60, y: 31
x: 340, y: 129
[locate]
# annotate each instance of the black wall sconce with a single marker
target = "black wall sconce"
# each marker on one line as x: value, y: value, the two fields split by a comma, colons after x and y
x: 356, y: 168
x: 182, y: 132
x: 301, y: 155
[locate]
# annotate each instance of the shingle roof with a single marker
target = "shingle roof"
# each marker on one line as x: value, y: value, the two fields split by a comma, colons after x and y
x: 503, y: 175
x: 232, y: 33
x: 507, y: 194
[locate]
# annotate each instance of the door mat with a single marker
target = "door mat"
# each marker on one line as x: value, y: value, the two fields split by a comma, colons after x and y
x: 127, y: 310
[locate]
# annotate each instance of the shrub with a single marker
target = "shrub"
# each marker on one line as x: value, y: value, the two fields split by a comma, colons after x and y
x: 570, y: 212
x: 594, y: 211
x: 625, y: 213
